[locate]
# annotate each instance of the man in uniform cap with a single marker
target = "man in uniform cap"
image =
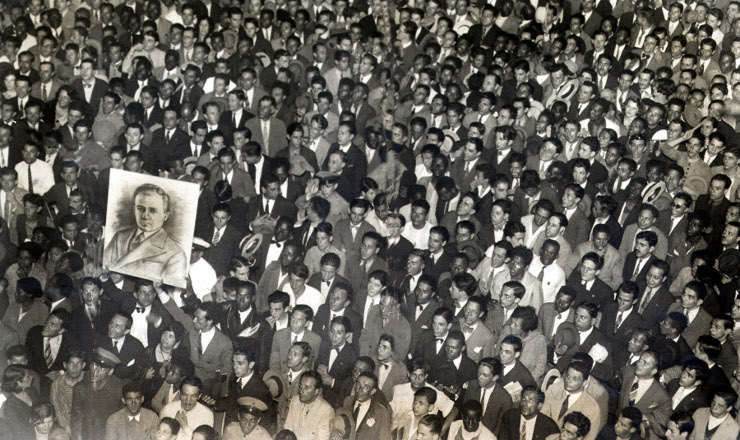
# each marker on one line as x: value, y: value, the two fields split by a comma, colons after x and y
x: 96, y: 397
x: 247, y: 428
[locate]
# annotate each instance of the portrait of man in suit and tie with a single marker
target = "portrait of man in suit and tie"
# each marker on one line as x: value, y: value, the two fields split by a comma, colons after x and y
x: 150, y: 228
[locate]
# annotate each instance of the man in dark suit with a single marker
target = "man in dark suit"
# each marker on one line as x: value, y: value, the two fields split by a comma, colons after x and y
x: 399, y: 248
x: 93, y: 315
x: 529, y: 408
x: 126, y: 347
x: 447, y: 374
x: 269, y: 204
x: 489, y: 392
x: 224, y: 238
x: 150, y: 319
x: 421, y: 309
x: 336, y: 358
x: 244, y: 325
x: 190, y: 90
x: 485, y: 32
x: 637, y: 262
x: 88, y: 87
x: 585, y: 321
x: 463, y: 170
x: 245, y: 362
x: 578, y: 225
x: 153, y: 113
x: 356, y: 163
x: 31, y: 123
x: 339, y: 303
x: 368, y: 260
x: 373, y: 420
x: 59, y: 194
x: 686, y: 391
x: 48, y: 343
x: 619, y: 318
x: 588, y: 285
x: 715, y: 203
x: 656, y: 298
x: 172, y: 141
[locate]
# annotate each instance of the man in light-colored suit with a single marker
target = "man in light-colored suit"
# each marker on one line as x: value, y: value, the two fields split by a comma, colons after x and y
x: 646, y: 222
x: 147, y: 248
x: 211, y: 360
x: 478, y: 338
x: 722, y: 403
x: 118, y: 426
x: 297, y: 331
x: 373, y: 419
x: 572, y: 388
x: 267, y: 124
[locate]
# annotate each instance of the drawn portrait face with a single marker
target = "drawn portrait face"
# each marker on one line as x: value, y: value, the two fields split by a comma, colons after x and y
x: 151, y: 211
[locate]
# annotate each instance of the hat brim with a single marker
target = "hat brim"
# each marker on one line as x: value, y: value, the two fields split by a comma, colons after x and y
x: 343, y: 423
x: 250, y: 244
x: 276, y: 383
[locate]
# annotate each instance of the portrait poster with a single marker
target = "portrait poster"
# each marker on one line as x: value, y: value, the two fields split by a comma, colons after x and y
x: 149, y: 228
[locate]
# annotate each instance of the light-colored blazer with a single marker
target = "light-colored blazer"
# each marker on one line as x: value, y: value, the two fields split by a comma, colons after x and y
x: 281, y: 343
x: 727, y: 429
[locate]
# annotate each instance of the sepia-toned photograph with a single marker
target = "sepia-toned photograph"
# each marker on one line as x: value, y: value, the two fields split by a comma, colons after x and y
x: 150, y: 227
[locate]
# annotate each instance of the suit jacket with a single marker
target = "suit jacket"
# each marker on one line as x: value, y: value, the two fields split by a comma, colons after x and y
x: 219, y: 254
x: 628, y: 241
x: 343, y: 238
x: 211, y: 363
x: 272, y: 279
x: 510, y: 425
x: 421, y: 322
x: 398, y: 254
x: 35, y: 345
x: 340, y: 370
x: 358, y: 278
x: 498, y: 403
x: 158, y: 256
x: 100, y: 88
x: 445, y: 373
x: 356, y: 167
x: 601, y: 371
x: 254, y: 331
x: 727, y: 429
x: 376, y: 425
x: 241, y: 184
x: 193, y: 96
x: 578, y: 228
x: 619, y: 336
x: 280, y: 207
x: 118, y: 426
x: 426, y: 348
x: 178, y: 145
x: 58, y: 195
x: 84, y: 331
x: 132, y: 355
x: 600, y: 293
x: 397, y: 376
x: 519, y: 373
x: 462, y: 179
x: 51, y: 91
x: 697, y: 327
x: 281, y: 343
x: 277, y: 133
x: 630, y: 262
x: 691, y: 402
x: 585, y: 404
x: 655, y: 404
x: 547, y: 319
x: 480, y: 343
x: 322, y: 321
x: 658, y: 306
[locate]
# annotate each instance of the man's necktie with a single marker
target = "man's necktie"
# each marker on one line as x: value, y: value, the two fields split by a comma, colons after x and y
x: 115, y: 346
x: 633, y: 392
x: 168, y: 136
x: 637, y: 270
x: 619, y: 321
x: 356, y: 412
x: 136, y: 241
x: 541, y: 275
x: 217, y: 236
x: 267, y: 207
x: 701, y: 69
x: 6, y: 209
x: 564, y: 408
x: 645, y: 300
x: 252, y: 170
x: 523, y: 431
x: 233, y: 121
x: 30, y: 179
x: 48, y: 357
x: 199, y: 345
x: 44, y: 92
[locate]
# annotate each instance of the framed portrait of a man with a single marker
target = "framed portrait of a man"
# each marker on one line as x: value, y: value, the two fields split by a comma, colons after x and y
x: 149, y: 229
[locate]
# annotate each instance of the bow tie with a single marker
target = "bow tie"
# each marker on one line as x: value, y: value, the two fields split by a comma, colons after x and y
x: 276, y: 243
x: 440, y: 340
x: 87, y: 86
x: 385, y: 366
x: 140, y: 309
x: 336, y: 350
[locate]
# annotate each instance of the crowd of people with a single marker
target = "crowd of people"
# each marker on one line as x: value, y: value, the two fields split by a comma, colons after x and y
x: 416, y: 219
